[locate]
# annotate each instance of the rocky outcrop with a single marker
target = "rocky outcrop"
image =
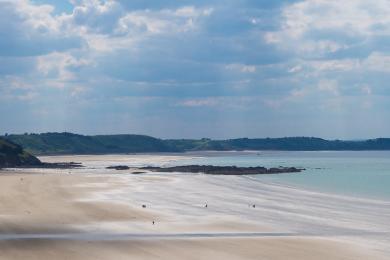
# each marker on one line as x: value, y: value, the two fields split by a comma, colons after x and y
x: 223, y: 170
x: 58, y: 165
x: 13, y: 155
x: 118, y: 167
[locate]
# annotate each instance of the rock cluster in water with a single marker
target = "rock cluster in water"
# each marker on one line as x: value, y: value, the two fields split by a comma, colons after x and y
x: 223, y: 170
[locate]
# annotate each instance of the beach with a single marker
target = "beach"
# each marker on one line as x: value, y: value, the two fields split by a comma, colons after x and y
x: 94, y: 213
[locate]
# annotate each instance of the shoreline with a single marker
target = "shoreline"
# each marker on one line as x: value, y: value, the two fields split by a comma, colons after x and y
x: 74, y: 212
x: 95, y: 218
x: 330, y: 193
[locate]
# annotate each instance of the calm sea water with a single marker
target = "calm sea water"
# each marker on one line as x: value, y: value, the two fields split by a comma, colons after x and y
x: 362, y: 174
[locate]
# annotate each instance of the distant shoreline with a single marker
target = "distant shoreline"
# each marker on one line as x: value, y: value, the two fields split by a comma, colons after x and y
x: 200, y: 153
x: 69, y: 143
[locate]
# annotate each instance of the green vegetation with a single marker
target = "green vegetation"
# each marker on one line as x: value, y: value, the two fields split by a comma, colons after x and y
x: 12, y: 155
x: 283, y: 144
x: 68, y: 143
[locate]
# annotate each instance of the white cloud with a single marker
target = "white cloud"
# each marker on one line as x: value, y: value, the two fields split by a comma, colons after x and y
x: 58, y: 66
x: 318, y: 27
x: 161, y: 21
x: 32, y: 30
x: 330, y: 86
x: 199, y: 102
x: 77, y: 90
x: 295, y: 69
x: 37, y: 17
x: 96, y: 16
x: 377, y: 62
x: 351, y: 16
x: 335, y: 65
x: 241, y: 68
x: 221, y: 102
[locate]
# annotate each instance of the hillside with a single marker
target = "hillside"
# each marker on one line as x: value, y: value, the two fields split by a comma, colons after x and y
x: 12, y: 155
x: 282, y: 144
x: 68, y: 143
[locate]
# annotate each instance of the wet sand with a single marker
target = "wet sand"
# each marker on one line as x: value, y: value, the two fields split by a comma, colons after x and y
x: 256, y: 248
x: 57, y: 215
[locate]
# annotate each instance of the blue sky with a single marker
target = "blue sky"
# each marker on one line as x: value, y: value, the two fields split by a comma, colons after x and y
x: 191, y: 69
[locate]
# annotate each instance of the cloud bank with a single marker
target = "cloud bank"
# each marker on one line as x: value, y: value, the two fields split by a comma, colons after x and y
x: 196, y: 68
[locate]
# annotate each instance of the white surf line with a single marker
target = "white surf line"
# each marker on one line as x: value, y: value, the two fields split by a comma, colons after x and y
x: 130, y: 236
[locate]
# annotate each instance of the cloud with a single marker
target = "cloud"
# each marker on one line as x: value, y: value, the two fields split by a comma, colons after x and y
x: 29, y: 30
x: 239, y: 60
x: 199, y: 102
x: 241, y: 68
x: 164, y: 21
x: 319, y: 28
x: 330, y: 86
x: 95, y: 16
x: 60, y: 66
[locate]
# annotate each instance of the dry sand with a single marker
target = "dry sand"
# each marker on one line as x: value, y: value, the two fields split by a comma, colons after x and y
x: 60, y: 203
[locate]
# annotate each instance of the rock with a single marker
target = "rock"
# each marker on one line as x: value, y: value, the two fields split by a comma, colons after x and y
x: 138, y: 172
x: 61, y: 165
x: 223, y: 170
x: 118, y: 167
x: 13, y: 155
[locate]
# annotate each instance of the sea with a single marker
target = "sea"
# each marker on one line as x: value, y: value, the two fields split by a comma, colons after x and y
x: 363, y: 174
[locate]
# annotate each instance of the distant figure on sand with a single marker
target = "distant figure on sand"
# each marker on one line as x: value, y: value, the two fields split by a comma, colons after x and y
x: 153, y: 222
x: 143, y: 206
x: 253, y: 206
x: 205, y: 205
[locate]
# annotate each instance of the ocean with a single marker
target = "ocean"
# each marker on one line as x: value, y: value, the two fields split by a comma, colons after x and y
x: 353, y: 173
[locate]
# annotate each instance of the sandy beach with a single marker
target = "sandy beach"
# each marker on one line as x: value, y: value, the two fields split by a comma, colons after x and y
x: 86, y: 214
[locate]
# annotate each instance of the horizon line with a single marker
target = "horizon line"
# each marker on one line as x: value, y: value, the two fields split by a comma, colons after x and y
x: 200, y: 138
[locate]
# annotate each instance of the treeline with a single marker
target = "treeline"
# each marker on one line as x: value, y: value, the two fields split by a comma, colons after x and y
x: 68, y: 143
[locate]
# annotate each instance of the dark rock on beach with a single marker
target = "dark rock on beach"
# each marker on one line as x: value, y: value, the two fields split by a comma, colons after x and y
x: 44, y: 165
x: 137, y: 172
x: 61, y: 165
x: 223, y: 170
x: 118, y: 167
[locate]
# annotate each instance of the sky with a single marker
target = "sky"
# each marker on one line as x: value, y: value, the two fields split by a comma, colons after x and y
x: 196, y: 68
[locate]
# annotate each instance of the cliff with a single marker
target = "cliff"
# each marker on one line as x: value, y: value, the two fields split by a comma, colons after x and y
x: 13, y: 155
